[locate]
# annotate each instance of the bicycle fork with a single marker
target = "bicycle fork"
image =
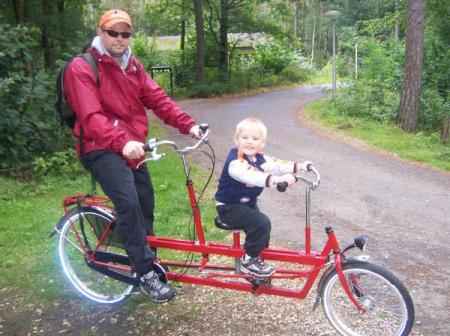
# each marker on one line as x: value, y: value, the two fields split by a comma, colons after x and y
x: 332, y: 247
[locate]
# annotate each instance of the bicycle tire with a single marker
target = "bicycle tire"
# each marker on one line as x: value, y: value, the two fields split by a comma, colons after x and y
x: 86, y: 281
x: 389, y: 307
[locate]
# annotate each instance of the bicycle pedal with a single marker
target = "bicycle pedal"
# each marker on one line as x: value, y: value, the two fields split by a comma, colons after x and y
x: 261, y: 280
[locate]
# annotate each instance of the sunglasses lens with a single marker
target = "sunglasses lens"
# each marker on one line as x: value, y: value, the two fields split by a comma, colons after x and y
x: 113, y: 33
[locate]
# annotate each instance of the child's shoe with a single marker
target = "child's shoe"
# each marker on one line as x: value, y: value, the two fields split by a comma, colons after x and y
x: 257, y: 267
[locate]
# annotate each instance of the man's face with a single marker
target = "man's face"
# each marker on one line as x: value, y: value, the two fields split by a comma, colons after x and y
x: 116, y: 46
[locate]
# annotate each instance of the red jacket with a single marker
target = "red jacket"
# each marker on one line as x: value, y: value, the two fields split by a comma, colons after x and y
x: 114, y: 112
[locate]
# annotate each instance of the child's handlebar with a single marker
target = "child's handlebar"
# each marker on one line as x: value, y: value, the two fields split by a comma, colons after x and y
x: 313, y: 184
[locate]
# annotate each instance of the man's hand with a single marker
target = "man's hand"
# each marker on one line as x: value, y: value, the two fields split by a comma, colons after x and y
x: 133, y: 150
x: 196, y: 132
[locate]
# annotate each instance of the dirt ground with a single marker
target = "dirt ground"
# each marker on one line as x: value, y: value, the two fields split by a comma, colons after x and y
x: 403, y: 207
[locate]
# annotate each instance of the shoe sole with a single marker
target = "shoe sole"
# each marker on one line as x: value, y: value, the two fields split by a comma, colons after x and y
x: 157, y: 300
x: 162, y: 300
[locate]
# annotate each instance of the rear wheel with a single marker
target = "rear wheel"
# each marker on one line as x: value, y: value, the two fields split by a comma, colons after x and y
x: 389, y: 307
x: 86, y: 281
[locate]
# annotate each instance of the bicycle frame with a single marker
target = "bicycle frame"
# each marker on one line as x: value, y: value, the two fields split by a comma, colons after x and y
x: 207, y: 276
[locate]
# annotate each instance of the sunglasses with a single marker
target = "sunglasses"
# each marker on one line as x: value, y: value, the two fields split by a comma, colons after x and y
x: 113, y: 33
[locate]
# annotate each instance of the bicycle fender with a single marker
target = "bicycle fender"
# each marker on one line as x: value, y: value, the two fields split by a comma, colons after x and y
x: 61, y: 222
x: 331, y: 268
x: 68, y: 215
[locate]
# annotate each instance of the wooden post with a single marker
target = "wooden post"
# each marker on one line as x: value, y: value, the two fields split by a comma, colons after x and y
x: 445, y: 130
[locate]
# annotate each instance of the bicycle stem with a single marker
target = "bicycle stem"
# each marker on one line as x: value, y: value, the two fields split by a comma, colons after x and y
x: 307, y: 221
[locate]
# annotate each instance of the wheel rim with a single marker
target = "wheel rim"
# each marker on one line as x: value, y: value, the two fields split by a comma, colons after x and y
x: 386, y: 311
x: 86, y: 281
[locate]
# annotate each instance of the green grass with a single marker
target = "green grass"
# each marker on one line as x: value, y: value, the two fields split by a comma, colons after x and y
x: 29, y: 211
x: 418, y: 147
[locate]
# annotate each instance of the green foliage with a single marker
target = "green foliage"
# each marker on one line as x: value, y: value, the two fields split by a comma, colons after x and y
x: 60, y: 163
x: 419, y: 147
x: 369, y: 101
x: 28, y: 123
x: 208, y: 89
x: 147, y: 53
x: 376, y: 94
x: 273, y: 57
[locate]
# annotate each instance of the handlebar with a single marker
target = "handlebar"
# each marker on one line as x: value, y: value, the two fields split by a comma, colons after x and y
x: 152, y: 145
x: 313, y: 184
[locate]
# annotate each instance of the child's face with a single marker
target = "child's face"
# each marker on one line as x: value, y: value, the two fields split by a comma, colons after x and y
x: 250, y: 141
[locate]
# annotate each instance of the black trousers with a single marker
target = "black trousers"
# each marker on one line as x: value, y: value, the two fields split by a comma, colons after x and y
x: 131, y: 192
x: 254, y: 223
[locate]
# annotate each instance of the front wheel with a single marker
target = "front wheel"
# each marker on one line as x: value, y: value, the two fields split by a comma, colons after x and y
x: 389, y: 309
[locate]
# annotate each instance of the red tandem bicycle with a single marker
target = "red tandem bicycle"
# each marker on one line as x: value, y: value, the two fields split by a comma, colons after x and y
x: 357, y: 297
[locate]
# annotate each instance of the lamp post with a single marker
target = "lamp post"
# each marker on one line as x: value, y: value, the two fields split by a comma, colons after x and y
x: 356, y: 57
x: 333, y: 15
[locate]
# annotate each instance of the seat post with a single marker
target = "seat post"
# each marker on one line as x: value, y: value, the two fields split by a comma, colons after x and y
x: 236, y: 245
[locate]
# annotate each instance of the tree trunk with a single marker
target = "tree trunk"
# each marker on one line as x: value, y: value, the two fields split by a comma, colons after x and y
x: 397, y: 24
x: 223, y: 40
x: 183, y: 25
x: 408, y: 113
x: 200, y: 40
x: 296, y: 11
x: 47, y: 43
x: 445, y: 130
x: 19, y: 13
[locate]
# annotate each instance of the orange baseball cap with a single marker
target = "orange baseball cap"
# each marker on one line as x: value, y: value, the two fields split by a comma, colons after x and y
x: 113, y: 16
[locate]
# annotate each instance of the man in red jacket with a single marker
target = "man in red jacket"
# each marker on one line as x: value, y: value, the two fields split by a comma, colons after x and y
x: 112, y: 126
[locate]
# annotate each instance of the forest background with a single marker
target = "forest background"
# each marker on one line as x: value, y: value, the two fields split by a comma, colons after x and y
x: 286, y: 42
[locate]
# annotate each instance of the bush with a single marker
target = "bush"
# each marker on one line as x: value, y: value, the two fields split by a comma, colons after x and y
x: 28, y: 122
x: 61, y: 163
x: 297, y: 72
x: 433, y: 108
x: 208, y: 89
x: 272, y: 57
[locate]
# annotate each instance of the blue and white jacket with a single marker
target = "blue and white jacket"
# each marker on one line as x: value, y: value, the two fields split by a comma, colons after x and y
x: 243, y: 180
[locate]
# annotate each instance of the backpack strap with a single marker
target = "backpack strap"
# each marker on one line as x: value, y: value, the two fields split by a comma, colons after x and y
x: 91, y: 61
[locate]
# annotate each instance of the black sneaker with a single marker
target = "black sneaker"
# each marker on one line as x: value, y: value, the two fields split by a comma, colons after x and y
x: 257, y: 267
x: 153, y: 287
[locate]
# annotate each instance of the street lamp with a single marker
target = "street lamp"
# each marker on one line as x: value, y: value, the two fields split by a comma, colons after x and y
x: 333, y: 15
x: 356, y: 57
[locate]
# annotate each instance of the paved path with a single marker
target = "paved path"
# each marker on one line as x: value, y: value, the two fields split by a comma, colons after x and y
x: 402, y: 207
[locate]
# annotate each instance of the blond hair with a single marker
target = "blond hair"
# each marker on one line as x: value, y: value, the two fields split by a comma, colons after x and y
x: 251, y: 122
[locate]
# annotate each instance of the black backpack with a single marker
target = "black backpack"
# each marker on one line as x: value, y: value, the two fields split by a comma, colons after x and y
x: 66, y: 114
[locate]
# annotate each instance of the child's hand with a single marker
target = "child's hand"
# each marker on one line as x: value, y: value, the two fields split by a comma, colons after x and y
x: 305, y: 165
x: 289, y: 179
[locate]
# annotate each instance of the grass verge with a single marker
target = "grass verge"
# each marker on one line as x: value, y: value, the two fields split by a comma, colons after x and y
x: 417, y: 147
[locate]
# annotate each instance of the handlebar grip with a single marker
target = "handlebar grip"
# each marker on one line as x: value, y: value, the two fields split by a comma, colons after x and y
x: 204, y: 127
x: 147, y: 148
x: 281, y: 187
